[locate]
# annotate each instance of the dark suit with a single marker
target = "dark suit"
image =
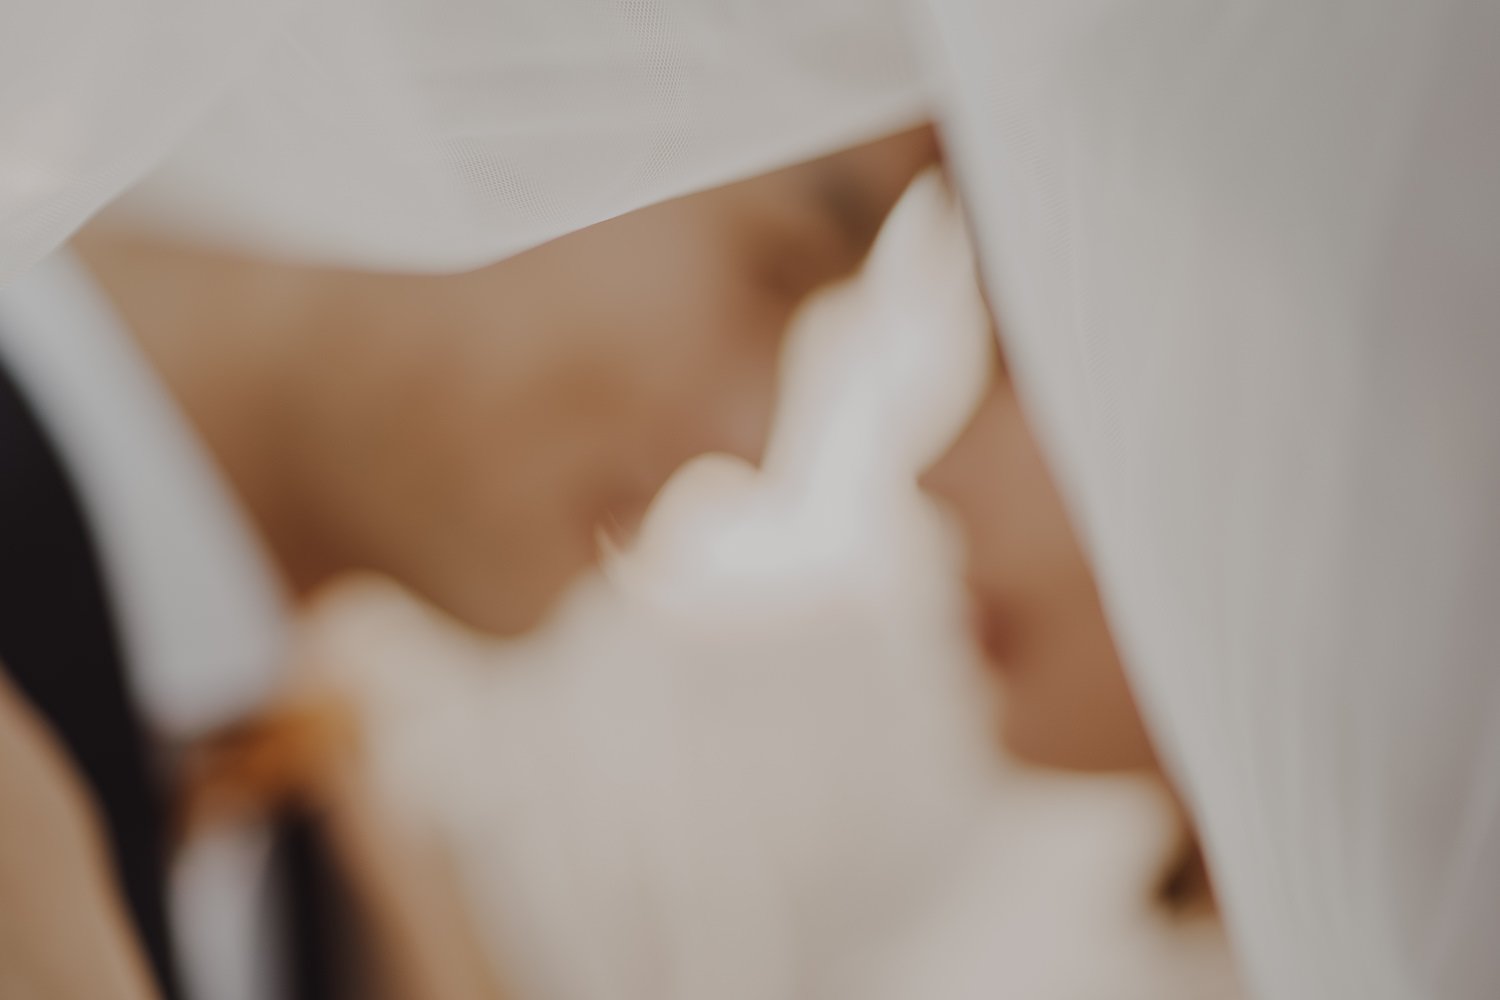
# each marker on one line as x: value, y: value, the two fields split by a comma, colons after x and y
x: 59, y: 641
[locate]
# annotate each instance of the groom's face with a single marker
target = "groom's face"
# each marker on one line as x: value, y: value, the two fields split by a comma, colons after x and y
x: 497, y: 420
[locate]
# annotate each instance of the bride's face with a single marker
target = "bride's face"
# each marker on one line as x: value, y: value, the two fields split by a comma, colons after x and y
x: 510, y: 413
x: 1063, y: 697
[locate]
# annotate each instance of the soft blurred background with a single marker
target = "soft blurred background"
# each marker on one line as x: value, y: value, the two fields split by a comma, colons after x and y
x: 754, y: 759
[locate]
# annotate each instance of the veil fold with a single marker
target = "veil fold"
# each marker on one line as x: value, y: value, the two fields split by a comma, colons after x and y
x: 420, y: 134
x: 1244, y: 257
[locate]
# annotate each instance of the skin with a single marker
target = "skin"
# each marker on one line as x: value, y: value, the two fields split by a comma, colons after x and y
x: 1063, y: 696
x: 63, y: 930
x: 470, y: 434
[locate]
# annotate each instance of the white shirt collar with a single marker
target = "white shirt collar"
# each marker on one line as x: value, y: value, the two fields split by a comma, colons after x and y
x: 199, y: 608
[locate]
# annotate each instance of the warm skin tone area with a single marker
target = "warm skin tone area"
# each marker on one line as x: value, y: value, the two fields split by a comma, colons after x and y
x: 64, y: 934
x: 470, y: 434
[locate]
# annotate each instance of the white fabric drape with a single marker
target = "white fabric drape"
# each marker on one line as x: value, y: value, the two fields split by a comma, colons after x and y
x: 1247, y: 261
x: 93, y: 93
x: 421, y: 134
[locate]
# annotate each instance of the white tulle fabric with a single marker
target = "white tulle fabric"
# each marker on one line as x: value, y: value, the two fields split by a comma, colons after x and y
x: 1245, y: 256
x: 93, y: 93
x: 420, y: 134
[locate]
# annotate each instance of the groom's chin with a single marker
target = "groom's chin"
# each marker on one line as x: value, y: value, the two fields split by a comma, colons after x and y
x: 507, y: 606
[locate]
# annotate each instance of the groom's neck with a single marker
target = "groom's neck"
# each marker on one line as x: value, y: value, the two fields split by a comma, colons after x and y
x: 234, y: 342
